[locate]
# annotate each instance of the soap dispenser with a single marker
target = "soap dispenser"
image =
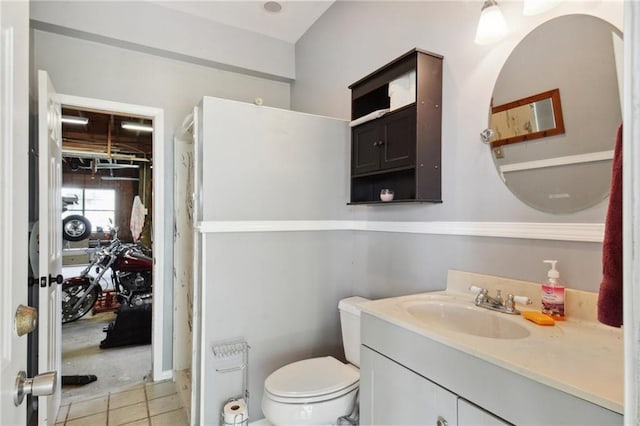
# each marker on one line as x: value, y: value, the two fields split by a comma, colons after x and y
x: 553, y: 293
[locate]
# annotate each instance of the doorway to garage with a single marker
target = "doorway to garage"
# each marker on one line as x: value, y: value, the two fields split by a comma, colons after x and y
x: 107, y: 181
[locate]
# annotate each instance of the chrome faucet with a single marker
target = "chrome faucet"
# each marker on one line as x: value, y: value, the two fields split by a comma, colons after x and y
x: 498, y: 303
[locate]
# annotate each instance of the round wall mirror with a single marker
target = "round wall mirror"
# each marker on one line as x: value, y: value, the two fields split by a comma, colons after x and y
x: 555, y: 112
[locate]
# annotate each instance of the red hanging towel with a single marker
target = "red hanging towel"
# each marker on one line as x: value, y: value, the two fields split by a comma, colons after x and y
x: 610, y: 296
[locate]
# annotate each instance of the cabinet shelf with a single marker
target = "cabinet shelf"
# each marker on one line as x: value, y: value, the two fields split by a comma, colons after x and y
x: 382, y: 172
x: 400, y: 150
x: 411, y: 201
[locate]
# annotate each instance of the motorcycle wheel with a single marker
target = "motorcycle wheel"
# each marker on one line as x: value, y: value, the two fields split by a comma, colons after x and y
x: 70, y: 294
x: 76, y: 228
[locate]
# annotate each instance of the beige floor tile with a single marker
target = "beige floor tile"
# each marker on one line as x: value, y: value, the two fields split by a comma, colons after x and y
x: 172, y: 418
x: 122, y: 399
x: 62, y: 414
x: 164, y: 404
x: 128, y: 414
x: 87, y: 408
x: 143, y: 422
x: 95, y: 420
x: 160, y: 389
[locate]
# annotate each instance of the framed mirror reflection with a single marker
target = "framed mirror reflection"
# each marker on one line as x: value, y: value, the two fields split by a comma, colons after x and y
x: 533, y: 117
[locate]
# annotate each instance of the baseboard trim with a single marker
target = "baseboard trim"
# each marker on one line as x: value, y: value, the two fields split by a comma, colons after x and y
x: 582, y: 232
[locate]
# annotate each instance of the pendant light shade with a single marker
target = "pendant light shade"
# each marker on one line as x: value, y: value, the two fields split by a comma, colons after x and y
x: 492, y: 26
x: 534, y: 7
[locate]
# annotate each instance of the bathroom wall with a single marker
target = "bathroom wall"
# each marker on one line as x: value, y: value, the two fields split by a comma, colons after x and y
x: 342, y: 47
x: 277, y: 290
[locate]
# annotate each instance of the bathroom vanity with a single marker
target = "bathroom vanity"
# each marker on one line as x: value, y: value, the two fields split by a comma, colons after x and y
x: 436, y: 359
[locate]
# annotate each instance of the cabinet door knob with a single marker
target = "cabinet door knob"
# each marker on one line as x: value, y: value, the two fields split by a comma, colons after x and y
x: 441, y: 421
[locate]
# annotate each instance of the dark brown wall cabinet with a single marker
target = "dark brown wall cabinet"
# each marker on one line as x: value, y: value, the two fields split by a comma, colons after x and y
x: 401, y: 149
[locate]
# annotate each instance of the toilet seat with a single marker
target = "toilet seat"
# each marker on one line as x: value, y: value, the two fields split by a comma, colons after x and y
x: 311, y: 380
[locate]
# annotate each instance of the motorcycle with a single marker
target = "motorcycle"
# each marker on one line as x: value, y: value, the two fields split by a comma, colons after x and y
x: 130, y: 265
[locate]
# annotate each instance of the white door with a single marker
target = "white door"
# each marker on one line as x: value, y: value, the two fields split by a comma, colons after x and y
x: 14, y: 145
x: 50, y: 242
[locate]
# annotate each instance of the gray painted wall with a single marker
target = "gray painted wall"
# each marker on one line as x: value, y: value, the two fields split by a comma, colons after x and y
x: 95, y: 70
x: 278, y: 290
x: 342, y: 47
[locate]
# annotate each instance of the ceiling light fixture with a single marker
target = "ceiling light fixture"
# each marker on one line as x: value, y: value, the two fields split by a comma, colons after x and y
x: 272, y: 7
x: 492, y: 26
x: 132, y: 179
x: 535, y: 7
x: 119, y: 178
x: 71, y: 119
x: 132, y: 125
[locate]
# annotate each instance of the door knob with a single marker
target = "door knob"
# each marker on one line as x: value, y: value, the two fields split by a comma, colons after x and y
x: 25, y: 320
x: 41, y: 385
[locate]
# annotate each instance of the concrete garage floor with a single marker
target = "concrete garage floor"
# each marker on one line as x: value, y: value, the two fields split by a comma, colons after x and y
x: 116, y: 368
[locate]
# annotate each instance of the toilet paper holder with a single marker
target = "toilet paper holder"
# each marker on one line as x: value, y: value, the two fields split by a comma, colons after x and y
x: 234, y: 354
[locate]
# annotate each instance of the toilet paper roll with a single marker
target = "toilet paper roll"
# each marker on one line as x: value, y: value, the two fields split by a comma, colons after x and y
x: 235, y: 412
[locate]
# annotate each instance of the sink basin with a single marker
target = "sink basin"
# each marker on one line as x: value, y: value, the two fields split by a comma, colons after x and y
x: 465, y: 318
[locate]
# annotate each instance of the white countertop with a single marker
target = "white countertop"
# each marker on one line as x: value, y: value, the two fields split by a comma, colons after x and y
x: 581, y: 358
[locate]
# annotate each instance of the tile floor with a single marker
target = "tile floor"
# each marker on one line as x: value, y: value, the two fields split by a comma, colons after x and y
x: 143, y: 404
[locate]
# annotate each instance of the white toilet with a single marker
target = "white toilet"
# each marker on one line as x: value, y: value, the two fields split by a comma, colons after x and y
x: 318, y: 391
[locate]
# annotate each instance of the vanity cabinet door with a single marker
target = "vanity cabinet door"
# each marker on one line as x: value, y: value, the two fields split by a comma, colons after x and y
x: 471, y: 415
x: 391, y: 394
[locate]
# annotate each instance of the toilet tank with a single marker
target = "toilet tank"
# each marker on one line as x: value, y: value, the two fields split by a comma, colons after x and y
x: 350, y: 323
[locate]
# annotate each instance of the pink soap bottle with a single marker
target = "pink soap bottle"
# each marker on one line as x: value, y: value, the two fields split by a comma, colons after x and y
x: 553, y: 293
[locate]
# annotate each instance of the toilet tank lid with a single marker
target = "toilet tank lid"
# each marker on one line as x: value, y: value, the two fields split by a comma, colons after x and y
x: 352, y: 304
x: 311, y: 377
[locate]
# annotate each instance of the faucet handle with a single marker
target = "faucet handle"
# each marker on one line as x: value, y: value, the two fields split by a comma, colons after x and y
x: 475, y: 289
x: 481, y: 294
x: 523, y: 300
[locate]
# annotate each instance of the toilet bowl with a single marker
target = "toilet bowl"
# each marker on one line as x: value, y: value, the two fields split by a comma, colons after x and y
x: 317, y: 391
x: 310, y: 392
